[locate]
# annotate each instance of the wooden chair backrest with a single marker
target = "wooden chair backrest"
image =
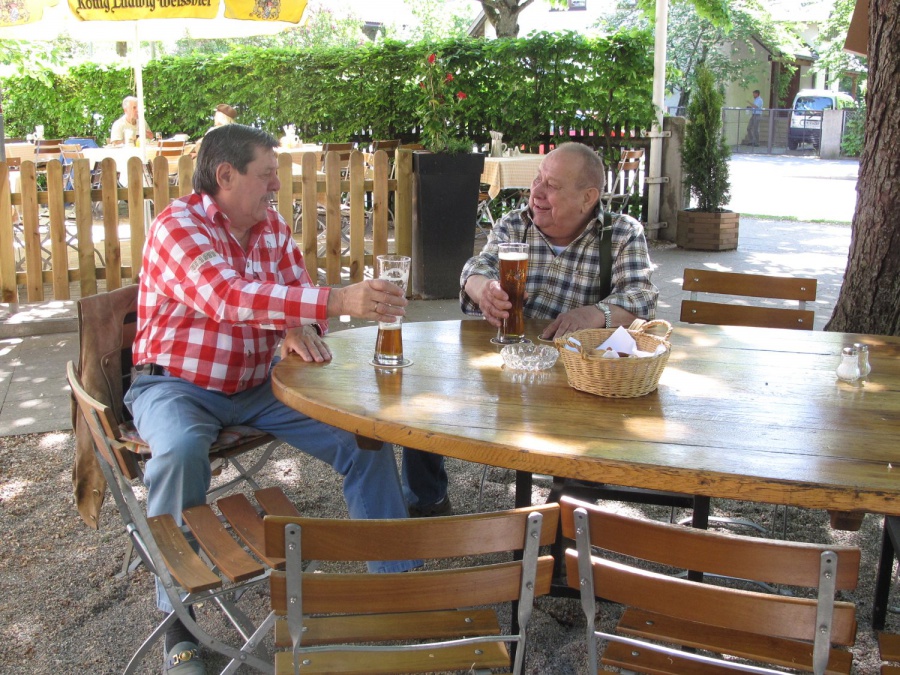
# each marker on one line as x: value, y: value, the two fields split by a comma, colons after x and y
x: 47, y: 146
x: 800, y: 289
x: 412, y: 146
x: 170, y: 148
x: 630, y: 160
x: 389, y: 146
x: 427, y: 538
x: 771, y: 561
x: 14, y: 162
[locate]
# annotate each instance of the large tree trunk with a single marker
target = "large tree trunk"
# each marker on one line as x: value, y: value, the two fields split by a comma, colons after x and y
x: 504, y: 15
x: 870, y: 297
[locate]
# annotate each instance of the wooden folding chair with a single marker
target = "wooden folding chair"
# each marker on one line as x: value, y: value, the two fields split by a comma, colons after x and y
x: 172, y: 150
x: 669, y: 620
x: 798, y: 289
x: 420, y: 621
x: 106, y: 326
x: 219, y: 578
x: 343, y: 150
x: 625, y: 183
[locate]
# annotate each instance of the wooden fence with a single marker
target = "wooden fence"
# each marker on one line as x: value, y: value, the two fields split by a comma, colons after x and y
x: 50, y: 221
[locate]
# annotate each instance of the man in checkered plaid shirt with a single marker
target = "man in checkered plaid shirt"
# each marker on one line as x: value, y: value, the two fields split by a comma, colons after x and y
x: 222, y: 284
x: 566, y: 283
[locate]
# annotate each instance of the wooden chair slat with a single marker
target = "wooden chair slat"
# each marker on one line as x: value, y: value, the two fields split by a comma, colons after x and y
x: 386, y: 627
x: 456, y: 658
x: 889, y: 646
x: 698, y: 311
x: 788, y: 653
x: 327, y: 539
x: 786, y: 617
x: 751, y: 285
x: 646, y: 660
x: 219, y: 545
x: 775, y: 562
x: 275, y: 503
x: 418, y: 592
x: 247, y: 524
x: 186, y: 567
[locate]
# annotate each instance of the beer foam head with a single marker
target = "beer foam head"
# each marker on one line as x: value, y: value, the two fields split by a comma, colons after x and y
x: 513, y: 255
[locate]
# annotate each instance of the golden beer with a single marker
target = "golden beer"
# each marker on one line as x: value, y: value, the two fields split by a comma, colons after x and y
x: 389, y: 345
x: 513, y: 272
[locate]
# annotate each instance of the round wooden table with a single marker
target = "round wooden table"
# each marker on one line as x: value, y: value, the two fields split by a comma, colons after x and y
x: 741, y: 413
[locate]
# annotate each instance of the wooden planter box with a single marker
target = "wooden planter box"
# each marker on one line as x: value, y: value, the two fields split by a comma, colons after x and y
x: 708, y: 231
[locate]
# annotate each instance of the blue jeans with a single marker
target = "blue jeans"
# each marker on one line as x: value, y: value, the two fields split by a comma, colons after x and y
x: 424, y: 477
x: 180, y: 421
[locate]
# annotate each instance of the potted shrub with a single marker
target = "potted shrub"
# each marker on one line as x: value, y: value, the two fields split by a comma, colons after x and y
x: 445, y: 190
x: 704, y: 159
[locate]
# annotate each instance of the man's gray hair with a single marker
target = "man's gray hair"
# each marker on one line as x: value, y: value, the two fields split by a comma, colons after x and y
x: 234, y: 144
x: 593, y: 173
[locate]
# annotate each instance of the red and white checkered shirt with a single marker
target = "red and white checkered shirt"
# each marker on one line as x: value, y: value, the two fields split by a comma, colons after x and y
x: 208, y: 311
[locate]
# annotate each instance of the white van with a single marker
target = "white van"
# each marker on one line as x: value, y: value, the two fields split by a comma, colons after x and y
x: 806, y: 115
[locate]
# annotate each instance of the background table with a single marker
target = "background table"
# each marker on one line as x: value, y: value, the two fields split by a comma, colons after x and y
x: 740, y: 413
x: 503, y: 173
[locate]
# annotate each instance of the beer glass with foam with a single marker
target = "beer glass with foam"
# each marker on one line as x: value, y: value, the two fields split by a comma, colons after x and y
x: 389, y: 345
x: 513, y: 272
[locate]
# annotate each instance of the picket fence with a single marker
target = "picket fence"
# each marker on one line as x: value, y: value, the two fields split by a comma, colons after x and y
x: 61, y: 228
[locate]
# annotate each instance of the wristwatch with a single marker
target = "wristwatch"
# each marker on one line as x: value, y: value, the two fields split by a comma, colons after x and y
x: 607, y: 314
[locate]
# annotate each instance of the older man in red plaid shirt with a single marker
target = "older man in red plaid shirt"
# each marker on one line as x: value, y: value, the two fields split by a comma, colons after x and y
x: 222, y: 284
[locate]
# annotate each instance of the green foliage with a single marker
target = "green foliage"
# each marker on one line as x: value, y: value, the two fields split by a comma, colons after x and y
x: 704, y: 157
x: 523, y: 87
x: 854, y: 138
x: 441, y: 108
x: 707, y: 34
x: 832, y: 57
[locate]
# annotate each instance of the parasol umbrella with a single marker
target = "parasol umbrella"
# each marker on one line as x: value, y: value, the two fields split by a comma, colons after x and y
x: 135, y: 21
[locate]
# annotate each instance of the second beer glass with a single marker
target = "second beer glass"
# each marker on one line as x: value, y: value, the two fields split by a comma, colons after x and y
x: 389, y: 345
x: 513, y: 271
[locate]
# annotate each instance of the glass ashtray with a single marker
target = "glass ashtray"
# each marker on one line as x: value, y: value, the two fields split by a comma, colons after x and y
x: 529, y: 356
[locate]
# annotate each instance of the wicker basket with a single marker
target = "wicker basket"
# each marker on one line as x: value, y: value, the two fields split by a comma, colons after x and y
x: 587, y: 371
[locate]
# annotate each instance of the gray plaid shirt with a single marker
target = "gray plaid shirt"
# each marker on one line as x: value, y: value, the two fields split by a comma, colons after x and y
x: 559, y: 283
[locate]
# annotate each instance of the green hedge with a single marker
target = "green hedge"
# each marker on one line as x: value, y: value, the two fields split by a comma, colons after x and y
x: 524, y: 87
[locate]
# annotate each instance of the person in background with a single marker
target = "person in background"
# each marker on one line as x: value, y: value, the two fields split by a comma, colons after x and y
x: 567, y: 233
x: 126, y: 127
x: 756, y: 106
x: 224, y: 114
x: 222, y: 285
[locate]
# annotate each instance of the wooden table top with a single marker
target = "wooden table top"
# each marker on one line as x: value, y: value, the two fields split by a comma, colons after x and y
x: 742, y: 413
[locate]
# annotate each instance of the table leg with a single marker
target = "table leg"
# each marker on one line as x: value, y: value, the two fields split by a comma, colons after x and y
x: 523, y: 489
x: 885, y: 571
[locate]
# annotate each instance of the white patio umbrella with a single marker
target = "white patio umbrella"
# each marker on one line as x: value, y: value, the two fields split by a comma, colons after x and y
x: 103, y: 21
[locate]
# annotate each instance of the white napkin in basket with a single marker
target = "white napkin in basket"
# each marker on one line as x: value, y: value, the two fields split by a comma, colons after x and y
x: 622, y: 342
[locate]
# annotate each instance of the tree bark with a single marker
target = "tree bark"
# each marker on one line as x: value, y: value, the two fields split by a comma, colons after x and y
x: 504, y: 15
x: 869, y: 301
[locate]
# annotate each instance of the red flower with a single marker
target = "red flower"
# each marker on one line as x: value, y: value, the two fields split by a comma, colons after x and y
x: 431, y: 59
x: 449, y: 77
x: 461, y: 95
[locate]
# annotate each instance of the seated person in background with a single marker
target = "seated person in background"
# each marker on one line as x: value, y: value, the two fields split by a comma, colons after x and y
x: 224, y: 114
x: 222, y: 283
x: 564, y: 227
x: 128, y: 121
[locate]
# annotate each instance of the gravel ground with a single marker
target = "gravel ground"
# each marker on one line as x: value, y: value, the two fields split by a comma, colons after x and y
x: 63, y: 609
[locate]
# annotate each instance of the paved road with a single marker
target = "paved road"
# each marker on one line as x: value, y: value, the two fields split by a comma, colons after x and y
x: 803, y: 188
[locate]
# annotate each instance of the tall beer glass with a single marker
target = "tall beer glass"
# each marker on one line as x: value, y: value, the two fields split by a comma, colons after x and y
x: 513, y: 271
x: 389, y: 345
